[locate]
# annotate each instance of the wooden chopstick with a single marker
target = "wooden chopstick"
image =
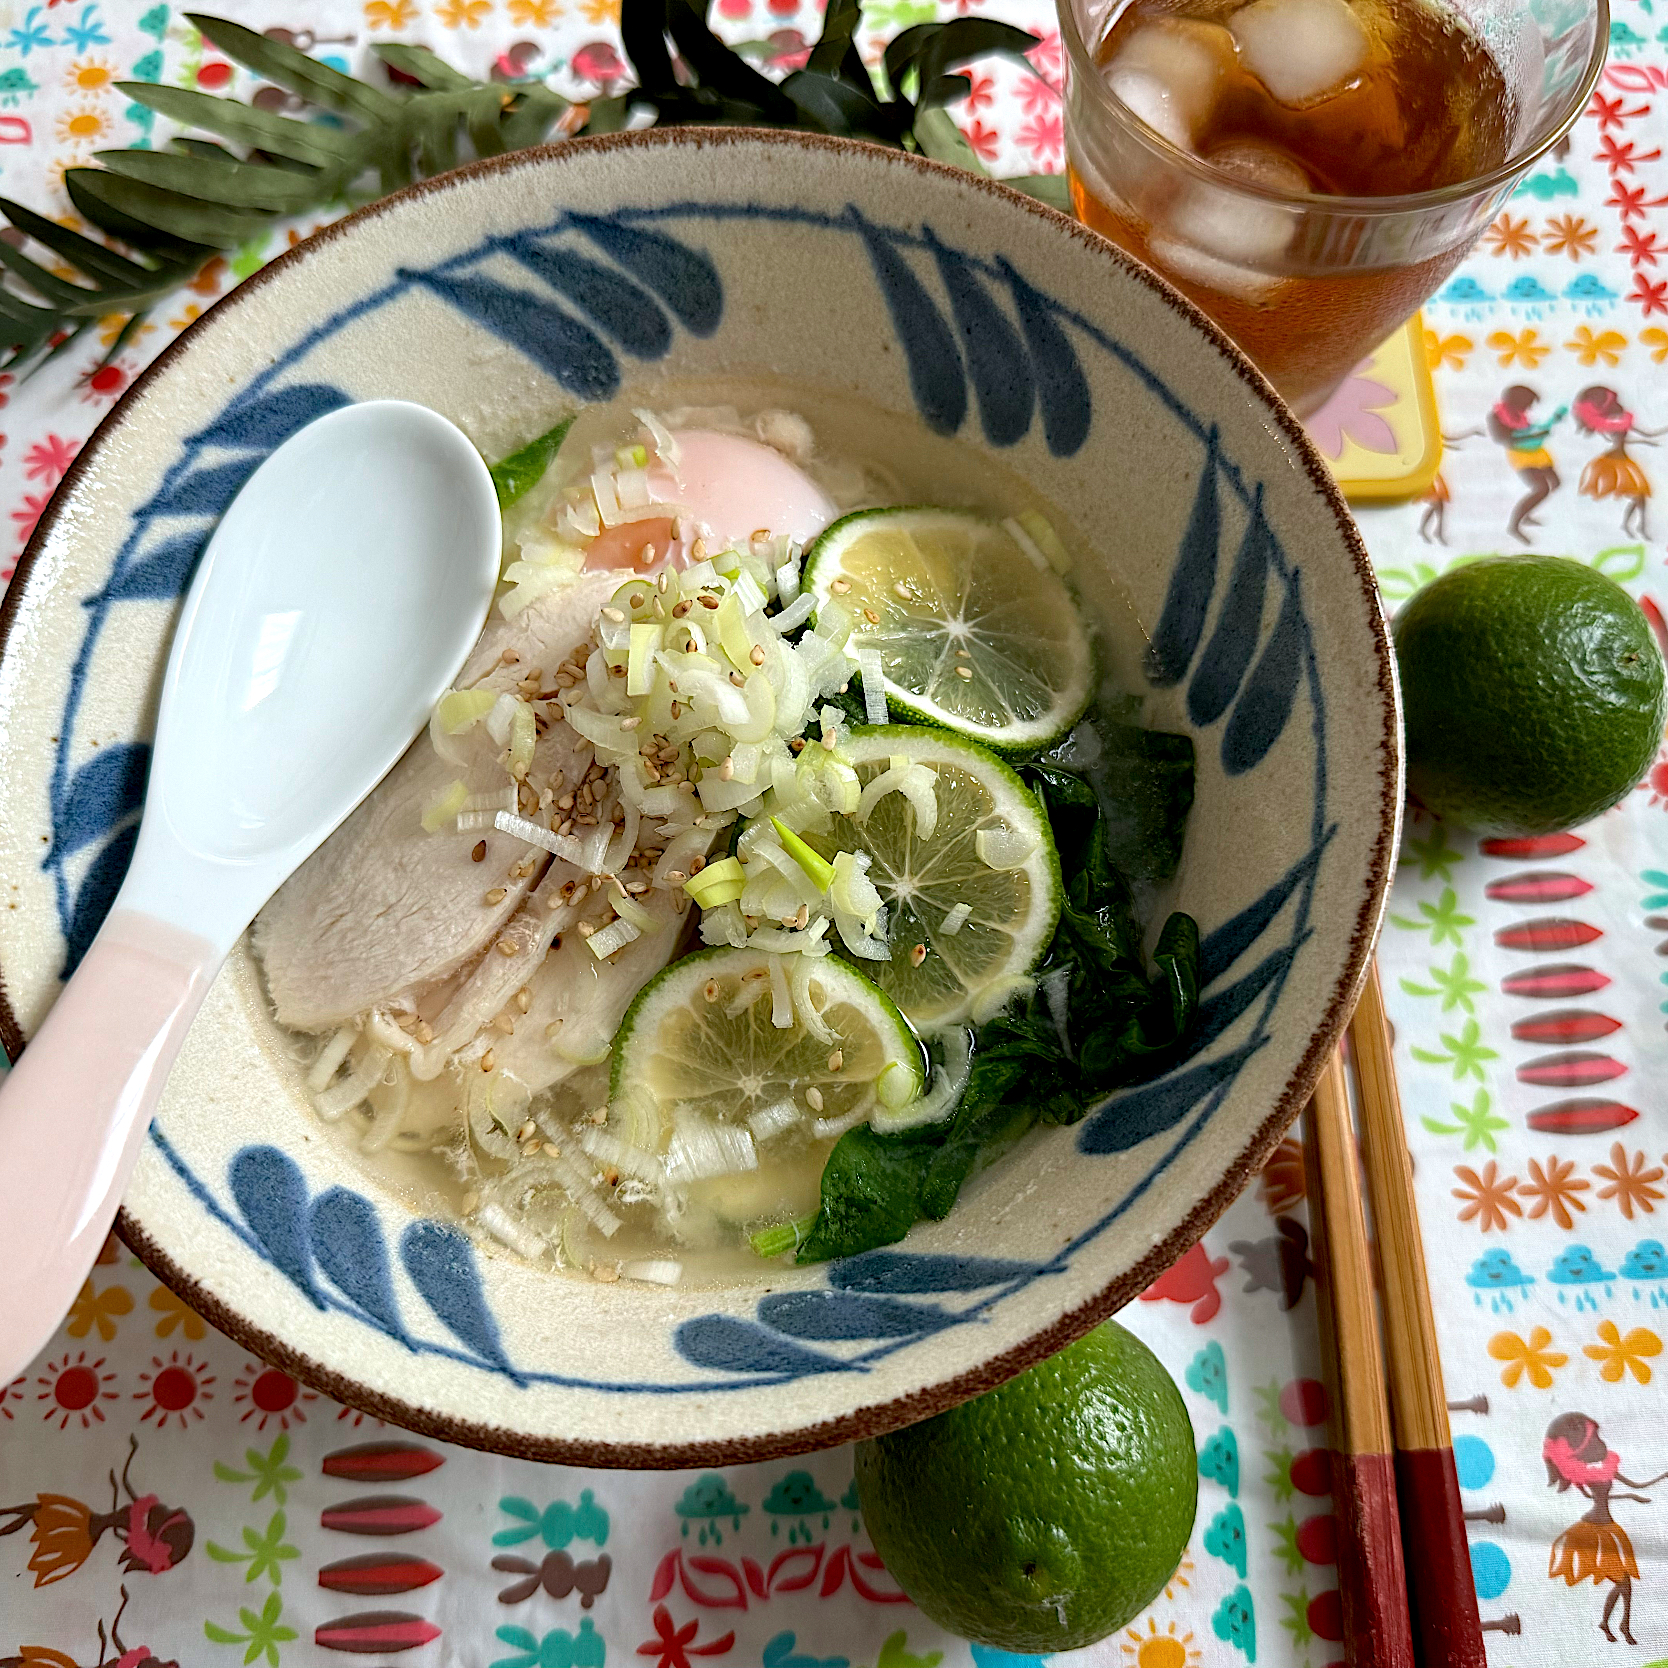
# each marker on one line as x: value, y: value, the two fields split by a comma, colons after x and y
x: 1441, y: 1593
x: 1371, y: 1584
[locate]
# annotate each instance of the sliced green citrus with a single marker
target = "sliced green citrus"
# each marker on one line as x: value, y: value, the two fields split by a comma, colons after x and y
x: 692, y: 1040
x: 1002, y: 917
x: 971, y: 633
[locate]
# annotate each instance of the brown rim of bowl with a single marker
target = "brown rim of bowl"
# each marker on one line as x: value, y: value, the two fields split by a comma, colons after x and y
x: 935, y: 1398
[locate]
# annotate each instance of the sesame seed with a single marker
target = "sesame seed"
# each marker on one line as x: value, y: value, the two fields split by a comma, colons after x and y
x: 646, y: 559
x: 737, y: 679
x: 565, y: 803
x: 708, y: 601
x: 504, y: 1023
x: 726, y: 770
x: 677, y: 710
x: 478, y: 855
x: 630, y: 723
x: 757, y: 656
x: 524, y: 999
x: 917, y: 955
x: 797, y: 745
x: 760, y: 534
x: 828, y: 739
x: 496, y: 895
x: 614, y: 614
x: 676, y: 876
x: 531, y: 1148
x: 551, y: 1150
x: 586, y: 928
x: 697, y: 863
x: 871, y: 616
x: 699, y: 550
x: 679, y: 609
x: 608, y: 1273
x: 710, y: 990
x: 488, y: 1060
x: 962, y: 654
x: 900, y: 590
x: 964, y: 672
x: 813, y: 1098
x: 841, y: 586
x: 505, y: 947
x: 836, y: 1060
x: 424, y: 1032
x: 508, y: 658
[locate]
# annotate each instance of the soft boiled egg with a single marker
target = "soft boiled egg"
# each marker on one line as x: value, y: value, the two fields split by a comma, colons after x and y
x: 730, y: 487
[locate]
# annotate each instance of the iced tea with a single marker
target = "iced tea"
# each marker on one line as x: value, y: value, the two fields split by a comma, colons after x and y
x: 1306, y: 126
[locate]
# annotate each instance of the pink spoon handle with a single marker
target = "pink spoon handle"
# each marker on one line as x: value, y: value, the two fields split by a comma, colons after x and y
x: 74, y: 1109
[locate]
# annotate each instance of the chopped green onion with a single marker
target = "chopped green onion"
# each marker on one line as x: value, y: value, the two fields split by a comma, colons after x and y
x: 732, y: 633
x: 462, y: 709
x: 446, y: 805
x: 615, y: 936
x: 718, y: 883
x: 640, y: 662
x: 524, y: 737
x: 817, y: 867
x: 1048, y: 541
x: 786, y: 1236
x: 897, y: 1086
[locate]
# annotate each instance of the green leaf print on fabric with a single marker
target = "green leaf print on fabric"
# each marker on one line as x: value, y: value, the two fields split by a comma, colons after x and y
x: 1442, y: 919
x: 1434, y: 858
x: 1453, y: 984
x: 1465, y: 1052
x: 266, y: 1471
x: 1285, y: 1544
x: 1296, y: 1619
x: 264, y: 1633
x: 267, y: 1552
x: 1475, y: 1122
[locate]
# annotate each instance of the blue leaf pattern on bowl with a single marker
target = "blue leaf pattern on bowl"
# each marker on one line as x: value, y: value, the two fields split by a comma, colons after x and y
x: 272, y: 1194
x: 726, y: 1344
x: 442, y: 1267
x: 834, y: 1315
x: 107, y: 790
x: 348, y: 1242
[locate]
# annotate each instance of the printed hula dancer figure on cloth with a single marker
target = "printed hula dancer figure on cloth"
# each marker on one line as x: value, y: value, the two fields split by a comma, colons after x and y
x: 157, y: 1537
x: 1433, y: 524
x: 111, y: 1654
x: 1595, y: 1547
x: 1525, y: 442
x: 1613, y: 474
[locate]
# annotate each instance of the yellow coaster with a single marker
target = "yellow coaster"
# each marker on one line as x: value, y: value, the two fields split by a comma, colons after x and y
x: 1379, y: 432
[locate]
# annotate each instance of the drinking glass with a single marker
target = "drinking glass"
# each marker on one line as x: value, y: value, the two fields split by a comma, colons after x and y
x: 1309, y: 285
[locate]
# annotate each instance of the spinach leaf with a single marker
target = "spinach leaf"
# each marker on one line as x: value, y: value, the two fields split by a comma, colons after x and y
x: 521, y: 471
x: 1099, y: 1018
x: 1143, y: 780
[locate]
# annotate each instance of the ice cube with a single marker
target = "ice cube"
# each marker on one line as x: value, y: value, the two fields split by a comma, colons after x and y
x: 1170, y: 73
x: 1188, y: 265
x: 1259, y: 163
x: 1301, y: 50
x: 1225, y: 240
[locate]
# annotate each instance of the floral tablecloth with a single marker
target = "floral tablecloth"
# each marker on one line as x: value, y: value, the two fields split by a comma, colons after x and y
x: 164, y: 1496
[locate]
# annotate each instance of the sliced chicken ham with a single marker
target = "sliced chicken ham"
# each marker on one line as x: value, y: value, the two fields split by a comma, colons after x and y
x: 383, y: 908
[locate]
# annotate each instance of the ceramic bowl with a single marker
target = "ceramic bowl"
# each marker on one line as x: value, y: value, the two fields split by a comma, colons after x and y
x: 920, y: 290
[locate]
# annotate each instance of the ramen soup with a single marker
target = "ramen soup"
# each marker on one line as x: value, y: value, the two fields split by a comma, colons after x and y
x: 783, y: 852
